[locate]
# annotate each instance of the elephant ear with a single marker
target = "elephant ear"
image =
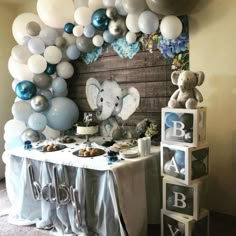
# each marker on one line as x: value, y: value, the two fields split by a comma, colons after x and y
x: 92, y: 90
x: 130, y: 103
x: 174, y: 77
x: 200, y: 77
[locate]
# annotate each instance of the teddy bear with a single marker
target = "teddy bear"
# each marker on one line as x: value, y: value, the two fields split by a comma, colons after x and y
x: 186, y: 96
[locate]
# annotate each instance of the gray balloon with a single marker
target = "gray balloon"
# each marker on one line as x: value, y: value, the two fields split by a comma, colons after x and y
x: 39, y: 103
x: 171, y: 7
x: 84, y: 44
x: 33, y: 28
x: 30, y: 135
x: 42, y: 81
x: 112, y: 13
x: 60, y: 42
x: 118, y: 27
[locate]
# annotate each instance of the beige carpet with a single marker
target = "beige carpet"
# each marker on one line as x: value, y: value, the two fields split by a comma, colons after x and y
x: 7, y: 229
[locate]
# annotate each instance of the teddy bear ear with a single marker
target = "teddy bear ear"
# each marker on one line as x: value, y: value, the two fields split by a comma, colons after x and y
x: 174, y: 77
x: 200, y: 77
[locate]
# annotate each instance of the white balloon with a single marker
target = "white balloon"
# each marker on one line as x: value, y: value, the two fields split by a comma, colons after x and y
x: 78, y: 30
x: 132, y: 22
x: 95, y: 4
x: 48, y: 35
x: 148, y: 22
x: 52, y: 54
x: 83, y: 16
x: 37, y: 64
x: 131, y: 37
x: 171, y: 27
x: 19, y: 29
x: 56, y: 13
x: 98, y: 40
x: 13, y: 129
x: 80, y: 3
x: 21, y: 53
x: 109, y: 3
x: 36, y: 45
x: 19, y: 71
x: 65, y: 70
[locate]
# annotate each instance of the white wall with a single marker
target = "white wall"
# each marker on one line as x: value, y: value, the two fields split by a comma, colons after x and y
x: 213, y: 50
x: 7, y: 96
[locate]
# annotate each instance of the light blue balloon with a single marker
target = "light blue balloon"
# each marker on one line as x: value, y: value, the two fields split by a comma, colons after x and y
x: 62, y: 113
x: 169, y: 118
x: 108, y: 37
x: 72, y: 52
x: 36, y: 45
x: 180, y: 158
x: 59, y: 85
x: 89, y: 31
x: 37, y: 121
x: 46, y: 93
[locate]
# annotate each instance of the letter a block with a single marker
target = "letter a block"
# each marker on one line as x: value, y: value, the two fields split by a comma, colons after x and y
x: 175, y: 225
x: 186, y: 165
x: 184, y: 126
x: 182, y: 199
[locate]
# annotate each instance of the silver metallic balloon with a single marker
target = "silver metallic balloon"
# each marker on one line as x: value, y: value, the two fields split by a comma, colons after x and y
x: 33, y: 28
x: 30, y: 135
x: 112, y: 13
x: 39, y: 103
x: 42, y: 81
x: 118, y: 27
x: 84, y: 44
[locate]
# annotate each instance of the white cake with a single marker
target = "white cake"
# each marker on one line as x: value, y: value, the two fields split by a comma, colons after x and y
x: 87, y: 130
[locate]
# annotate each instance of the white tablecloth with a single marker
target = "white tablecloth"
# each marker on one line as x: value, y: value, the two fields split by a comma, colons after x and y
x: 115, y: 199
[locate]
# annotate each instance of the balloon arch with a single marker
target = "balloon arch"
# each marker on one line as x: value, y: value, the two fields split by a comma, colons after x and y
x: 66, y: 30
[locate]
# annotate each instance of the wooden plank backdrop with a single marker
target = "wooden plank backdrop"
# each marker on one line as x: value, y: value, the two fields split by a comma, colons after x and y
x: 148, y: 72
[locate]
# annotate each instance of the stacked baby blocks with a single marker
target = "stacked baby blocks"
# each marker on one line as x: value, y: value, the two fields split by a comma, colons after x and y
x: 184, y: 159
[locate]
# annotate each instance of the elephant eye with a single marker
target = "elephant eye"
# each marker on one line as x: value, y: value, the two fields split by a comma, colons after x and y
x: 116, y: 104
x: 101, y: 99
x: 102, y: 90
x: 118, y: 98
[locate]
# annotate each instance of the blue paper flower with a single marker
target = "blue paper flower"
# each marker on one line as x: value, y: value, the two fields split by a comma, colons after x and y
x: 169, y: 48
x: 92, y: 56
x: 125, y: 50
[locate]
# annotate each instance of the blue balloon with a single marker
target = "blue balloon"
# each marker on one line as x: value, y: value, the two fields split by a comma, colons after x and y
x: 108, y: 37
x: 89, y: 31
x: 180, y: 158
x: 170, y: 117
x: 51, y: 69
x: 72, y: 52
x: 68, y: 28
x: 100, y: 20
x: 62, y: 114
x: 25, y: 90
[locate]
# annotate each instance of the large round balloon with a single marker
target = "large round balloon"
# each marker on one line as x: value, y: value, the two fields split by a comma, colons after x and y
x: 25, y: 90
x: 62, y: 113
x: 55, y: 13
x: 19, y: 26
x: 83, y: 16
x: 171, y: 7
x: 95, y: 4
x: 171, y: 27
x: 39, y: 103
x: 13, y: 129
x: 100, y: 20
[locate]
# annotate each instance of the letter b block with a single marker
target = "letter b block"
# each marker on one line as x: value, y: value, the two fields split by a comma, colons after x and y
x: 184, y: 200
x: 175, y: 225
x: 184, y: 126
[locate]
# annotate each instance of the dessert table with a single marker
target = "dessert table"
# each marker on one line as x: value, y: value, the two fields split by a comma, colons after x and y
x: 81, y: 195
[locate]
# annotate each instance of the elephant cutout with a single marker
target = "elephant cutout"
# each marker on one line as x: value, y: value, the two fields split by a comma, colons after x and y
x: 111, y: 104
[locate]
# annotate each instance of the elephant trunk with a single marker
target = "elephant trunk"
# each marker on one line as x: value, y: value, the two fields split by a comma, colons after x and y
x: 105, y: 112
